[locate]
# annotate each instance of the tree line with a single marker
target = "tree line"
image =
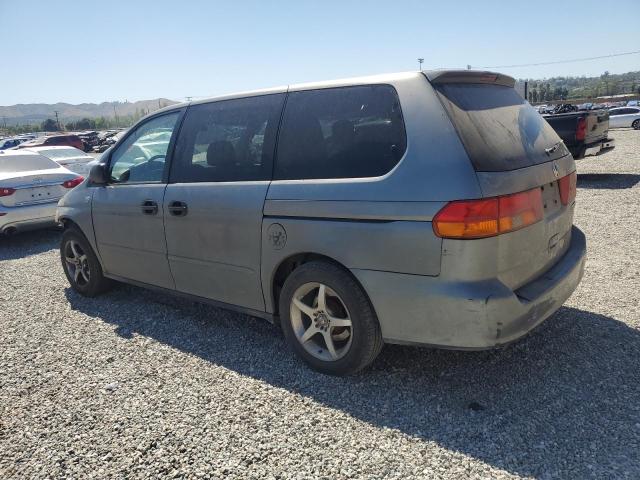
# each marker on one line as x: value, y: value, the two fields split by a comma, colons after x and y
x: 98, y: 123
x: 566, y: 88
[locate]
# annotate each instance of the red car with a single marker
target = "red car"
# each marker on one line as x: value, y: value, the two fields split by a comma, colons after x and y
x: 56, y: 140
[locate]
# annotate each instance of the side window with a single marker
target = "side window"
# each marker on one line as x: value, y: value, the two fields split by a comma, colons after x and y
x: 141, y: 158
x: 344, y: 132
x: 227, y: 141
x: 621, y: 111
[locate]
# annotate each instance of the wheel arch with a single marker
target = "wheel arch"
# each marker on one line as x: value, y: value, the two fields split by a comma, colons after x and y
x: 290, y: 263
x: 68, y: 223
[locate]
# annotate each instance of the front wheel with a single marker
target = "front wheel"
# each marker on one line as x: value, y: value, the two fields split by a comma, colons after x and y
x: 328, y: 320
x: 636, y: 124
x: 80, y: 264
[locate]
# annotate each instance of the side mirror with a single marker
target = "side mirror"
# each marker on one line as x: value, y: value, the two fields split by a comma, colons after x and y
x: 98, y: 174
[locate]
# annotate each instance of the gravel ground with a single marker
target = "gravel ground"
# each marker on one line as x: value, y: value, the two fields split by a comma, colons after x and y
x: 136, y: 384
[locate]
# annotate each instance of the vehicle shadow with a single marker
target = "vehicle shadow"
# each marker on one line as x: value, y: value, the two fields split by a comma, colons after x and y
x: 612, y: 181
x: 28, y: 243
x: 563, y: 402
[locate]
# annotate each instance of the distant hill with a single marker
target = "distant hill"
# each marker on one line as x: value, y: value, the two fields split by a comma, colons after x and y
x: 35, y: 113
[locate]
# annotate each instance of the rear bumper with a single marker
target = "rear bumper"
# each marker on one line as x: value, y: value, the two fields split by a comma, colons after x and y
x: 599, y: 147
x: 414, y: 309
x: 27, y: 217
x: 607, y: 145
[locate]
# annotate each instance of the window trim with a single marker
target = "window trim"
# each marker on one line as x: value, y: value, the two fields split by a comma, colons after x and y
x: 339, y: 179
x: 170, y: 149
x: 274, y: 137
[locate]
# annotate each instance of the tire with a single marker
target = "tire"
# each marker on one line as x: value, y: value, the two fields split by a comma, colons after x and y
x: 346, y: 318
x: 636, y: 124
x: 81, y: 265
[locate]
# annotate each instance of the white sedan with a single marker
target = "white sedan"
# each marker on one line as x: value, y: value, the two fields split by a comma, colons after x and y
x: 624, y: 117
x: 69, y: 157
x: 30, y: 187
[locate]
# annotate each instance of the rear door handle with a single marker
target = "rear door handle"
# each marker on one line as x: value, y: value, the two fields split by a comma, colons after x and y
x: 149, y: 207
x: 178, y: 209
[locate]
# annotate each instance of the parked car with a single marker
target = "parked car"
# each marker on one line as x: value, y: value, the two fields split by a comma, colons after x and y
x: 633, y: 103
x: 583, y: 132
x: 431, y: 208
x: 30, y: 187
x: 10, y: 143
x: 25, y: 137
x: 75, y: 160
x: 56, y: 140
x: 625, y: 117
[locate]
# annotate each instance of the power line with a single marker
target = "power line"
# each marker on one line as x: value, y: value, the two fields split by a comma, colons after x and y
x: 565, y: 61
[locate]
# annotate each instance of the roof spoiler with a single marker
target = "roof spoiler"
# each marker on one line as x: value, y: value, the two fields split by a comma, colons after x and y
x: 469, y: 76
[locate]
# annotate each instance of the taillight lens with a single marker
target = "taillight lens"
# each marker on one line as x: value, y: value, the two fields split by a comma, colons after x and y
x: 581, y: 130
x: 5, y: 192
x: 73, y: 183
x: 567, y: 186
x: 468, y: 219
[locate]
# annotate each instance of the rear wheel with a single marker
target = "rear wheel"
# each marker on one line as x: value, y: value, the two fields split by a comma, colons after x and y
x: 80, y: 264
x: 328, y: 320
x: 636, y: 124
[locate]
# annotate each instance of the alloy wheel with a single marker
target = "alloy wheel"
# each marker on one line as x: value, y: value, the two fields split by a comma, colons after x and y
x: 321, y: 321
x: 77, y: 263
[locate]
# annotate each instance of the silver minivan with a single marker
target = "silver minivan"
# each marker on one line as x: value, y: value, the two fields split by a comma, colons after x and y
x: 428, y: 208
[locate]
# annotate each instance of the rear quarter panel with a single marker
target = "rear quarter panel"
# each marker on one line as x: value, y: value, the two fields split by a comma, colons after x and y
x: 391, y: 246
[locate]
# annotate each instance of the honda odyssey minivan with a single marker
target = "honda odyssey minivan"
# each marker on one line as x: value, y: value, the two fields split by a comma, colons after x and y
x: 430, y: 208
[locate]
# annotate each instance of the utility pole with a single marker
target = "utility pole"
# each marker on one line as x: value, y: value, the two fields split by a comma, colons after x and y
x: 57, y: 120
x: 188, y: 98
x: 115, y: 114
x: 420, y: 62
x: 159, y: 106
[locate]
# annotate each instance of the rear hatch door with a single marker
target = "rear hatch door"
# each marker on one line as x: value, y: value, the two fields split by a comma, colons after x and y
x: 512, y: 149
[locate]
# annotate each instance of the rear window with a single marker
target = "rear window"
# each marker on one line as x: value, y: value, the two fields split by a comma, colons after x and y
x: 62, y: 153
x: 499, y: 129
x: 25, y: 163
x: 345, y: 132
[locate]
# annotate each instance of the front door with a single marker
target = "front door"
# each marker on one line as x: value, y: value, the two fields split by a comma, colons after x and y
x: 214, y: 200
x: 128, y: 212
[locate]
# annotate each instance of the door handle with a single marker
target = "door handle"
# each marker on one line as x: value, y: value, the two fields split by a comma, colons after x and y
x: 178, y: 209
x: 149, y: 207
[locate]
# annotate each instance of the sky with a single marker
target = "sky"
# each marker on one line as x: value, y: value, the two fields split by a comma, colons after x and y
x: 95, y: 51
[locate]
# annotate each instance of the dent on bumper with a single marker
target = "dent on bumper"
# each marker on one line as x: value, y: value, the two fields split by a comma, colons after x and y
x: 470, y: 315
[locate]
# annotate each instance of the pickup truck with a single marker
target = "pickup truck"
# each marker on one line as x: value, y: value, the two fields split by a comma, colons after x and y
x: 584, y: 133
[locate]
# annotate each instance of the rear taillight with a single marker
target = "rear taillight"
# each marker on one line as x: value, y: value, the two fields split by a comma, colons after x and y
x: 73, y: 183
x: 5, y: 192
x: 468, y: 219
x: 581, y: 130
x: 567, y: 186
